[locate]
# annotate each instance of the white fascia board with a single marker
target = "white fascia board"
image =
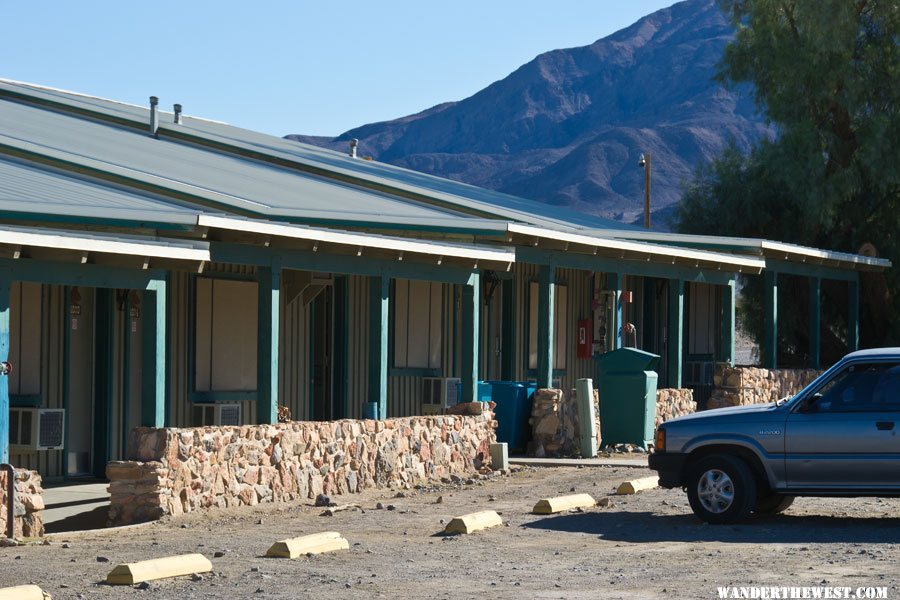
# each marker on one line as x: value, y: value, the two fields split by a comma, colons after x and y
x: 841, y: 257
x: 298, y: 232
x: 732, y: 261
x: 59, y: 240
x: 758, y: 245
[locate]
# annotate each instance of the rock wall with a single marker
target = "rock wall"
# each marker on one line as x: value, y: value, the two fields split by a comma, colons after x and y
x: 29, y: 504
x: 173, y: 471
x: 671, y: 403
x: 739, y: 386
x: 554, y: 423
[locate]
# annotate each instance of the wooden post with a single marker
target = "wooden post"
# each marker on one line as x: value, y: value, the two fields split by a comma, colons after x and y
x: 546, y: 313
x: 815, y: 324
x: 676, y: 332
x: 853, y: 316
x: 5, y: 284
x: 269, y: 314
x: 770, y: 320
x: 153, y: 356
x: 728, y: 322
x: 471, y: 309
x: 379, y: 321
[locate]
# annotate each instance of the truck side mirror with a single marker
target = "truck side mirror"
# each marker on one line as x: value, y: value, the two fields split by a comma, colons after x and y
x: 809, y: 402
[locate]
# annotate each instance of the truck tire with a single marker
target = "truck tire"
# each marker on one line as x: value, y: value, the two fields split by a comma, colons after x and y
x: 721, y: 489
x: 772, y: 504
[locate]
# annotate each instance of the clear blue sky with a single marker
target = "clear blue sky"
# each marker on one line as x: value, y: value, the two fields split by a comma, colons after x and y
x: 294, y: 67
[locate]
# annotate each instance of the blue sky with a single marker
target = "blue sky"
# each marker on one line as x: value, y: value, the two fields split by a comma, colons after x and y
x: 294, y: 67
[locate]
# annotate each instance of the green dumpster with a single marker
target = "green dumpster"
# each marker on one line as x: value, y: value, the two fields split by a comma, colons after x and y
x: 626, y: 384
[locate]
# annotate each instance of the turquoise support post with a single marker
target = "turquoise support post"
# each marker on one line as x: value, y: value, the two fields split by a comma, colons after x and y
x: 728, y: 322
x: 546, y: 313
x: 153, y: 356
x: 674, y: 347
x: 104, y: 377
x: 471, y: 309
x: 379, y: 321
x: 770, y: 320
x: 269, y: 311
x: 614, y: 281
x: 853, y: 317
x: 508, y: 331
x: 815, y: 322
x: 340, y: 363
x: 5, y: 284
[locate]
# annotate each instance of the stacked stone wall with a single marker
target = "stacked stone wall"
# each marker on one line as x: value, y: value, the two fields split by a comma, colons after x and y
x: 740, y: 386
x: 29, y: 504
x: 555, y: 425
x: 174, y: 471
x: 671, y: 403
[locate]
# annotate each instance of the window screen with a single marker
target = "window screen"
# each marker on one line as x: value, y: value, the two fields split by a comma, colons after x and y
x: 418, y: 339
x: 225, y: 335
x: 25, y: 338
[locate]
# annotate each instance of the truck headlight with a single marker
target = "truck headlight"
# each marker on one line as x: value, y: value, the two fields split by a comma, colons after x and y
x: 660, y: 445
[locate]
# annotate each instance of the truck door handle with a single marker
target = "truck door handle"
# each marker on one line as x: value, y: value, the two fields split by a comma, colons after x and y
x: 885, y: 425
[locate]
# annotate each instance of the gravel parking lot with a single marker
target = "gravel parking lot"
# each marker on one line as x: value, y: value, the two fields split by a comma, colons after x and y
x: 643, y: 546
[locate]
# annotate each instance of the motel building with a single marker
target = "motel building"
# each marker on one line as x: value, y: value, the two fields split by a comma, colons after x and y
x: 163, y: 270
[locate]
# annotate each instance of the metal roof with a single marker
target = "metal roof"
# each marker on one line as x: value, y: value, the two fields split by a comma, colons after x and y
x: 298, y: 182
x: 448, y: 192
x: 31, y: 190
x: 759, y: 247
x: 220, y: 180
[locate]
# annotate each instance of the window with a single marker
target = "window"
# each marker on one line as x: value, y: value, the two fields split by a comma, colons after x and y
x: 418, y: 308
x: 25, y: 339
x: 560, y: 326
x: 225, y: 335
x: 861, y: 388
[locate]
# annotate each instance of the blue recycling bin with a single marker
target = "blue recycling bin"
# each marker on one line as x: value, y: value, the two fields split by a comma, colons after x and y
x: 512, y: 411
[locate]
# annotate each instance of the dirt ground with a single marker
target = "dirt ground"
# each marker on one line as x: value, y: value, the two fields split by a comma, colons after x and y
x: 643, y: 546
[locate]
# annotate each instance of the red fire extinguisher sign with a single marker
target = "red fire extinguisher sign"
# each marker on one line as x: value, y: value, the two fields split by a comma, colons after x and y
x: 585, y: 338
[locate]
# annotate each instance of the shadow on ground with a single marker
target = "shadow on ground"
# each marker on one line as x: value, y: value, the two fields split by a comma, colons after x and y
x: 642, y: 527
x: 93, y: 519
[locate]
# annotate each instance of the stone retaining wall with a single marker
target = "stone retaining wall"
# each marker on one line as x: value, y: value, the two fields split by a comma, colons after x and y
x: 739, y: 386
x: 174, y: 471
x: 671, y: 403
x: 554, y: 423
x: 29, y: 504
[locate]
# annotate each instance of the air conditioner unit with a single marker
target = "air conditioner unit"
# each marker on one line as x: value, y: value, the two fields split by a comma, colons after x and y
x: 227, y: 415
x: 32, y: 429
x: 439, y: 394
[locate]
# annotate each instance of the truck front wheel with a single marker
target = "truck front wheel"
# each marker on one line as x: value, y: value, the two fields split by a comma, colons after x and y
x: 721, y: 489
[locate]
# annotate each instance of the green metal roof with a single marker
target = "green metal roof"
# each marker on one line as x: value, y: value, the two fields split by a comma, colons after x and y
x: 207, y: 178
x: 448, y: 193
x: 28, y: 190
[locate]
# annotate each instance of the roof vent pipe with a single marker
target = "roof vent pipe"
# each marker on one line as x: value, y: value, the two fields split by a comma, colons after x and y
x: 353, y: 144
x: 154, y: 117
x: 177, y: 108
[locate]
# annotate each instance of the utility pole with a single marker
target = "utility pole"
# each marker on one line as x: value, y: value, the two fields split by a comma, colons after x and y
x: 644, y: 161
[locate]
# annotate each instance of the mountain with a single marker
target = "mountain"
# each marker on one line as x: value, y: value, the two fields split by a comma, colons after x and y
x: 568, y: 127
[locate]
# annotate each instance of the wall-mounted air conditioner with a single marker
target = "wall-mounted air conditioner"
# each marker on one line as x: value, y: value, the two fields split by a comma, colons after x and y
x: 439, y: 394
x: 206, y: 415
x: 32, y: 429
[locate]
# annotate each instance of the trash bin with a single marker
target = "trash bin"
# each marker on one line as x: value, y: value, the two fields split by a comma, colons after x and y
x: 512, y: 411
x: 626, y: 383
